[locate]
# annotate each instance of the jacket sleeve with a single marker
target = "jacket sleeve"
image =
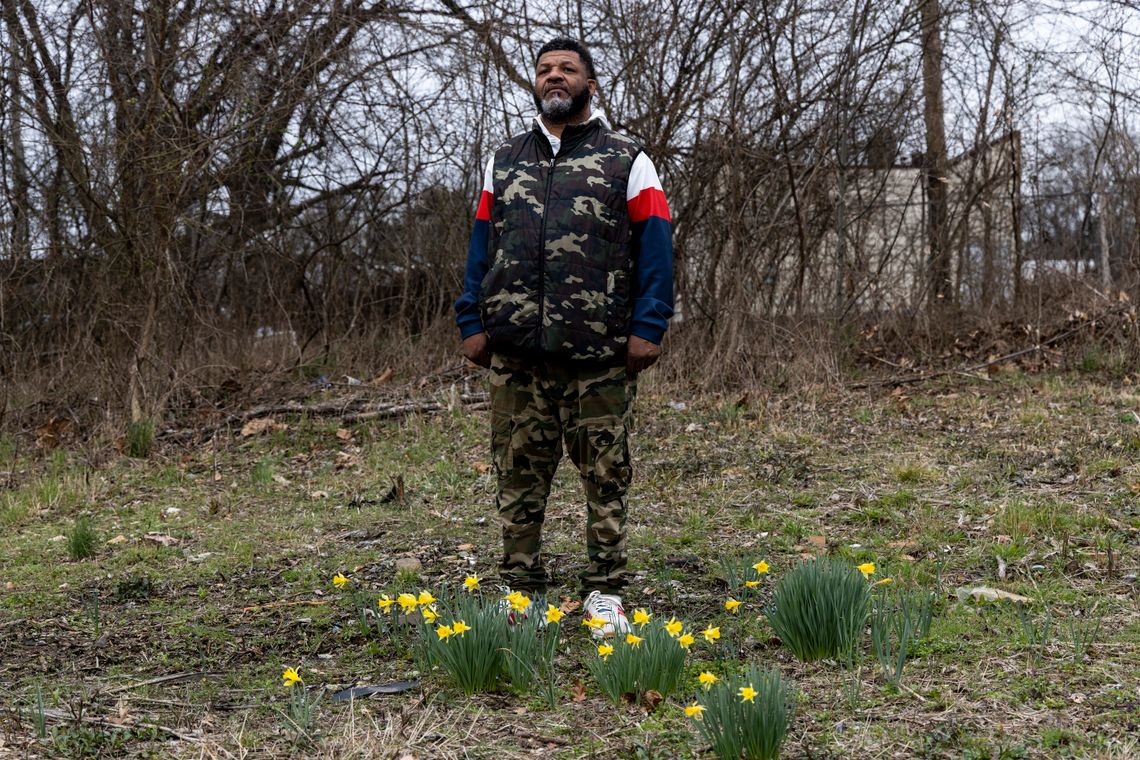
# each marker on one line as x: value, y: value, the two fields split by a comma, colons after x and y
x: 652, y: 250
x: 467, y: 315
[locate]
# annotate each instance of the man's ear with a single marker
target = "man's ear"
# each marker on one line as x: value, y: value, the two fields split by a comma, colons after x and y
x: 593, y: 85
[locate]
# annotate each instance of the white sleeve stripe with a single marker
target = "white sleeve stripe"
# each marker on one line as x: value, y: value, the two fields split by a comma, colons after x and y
x: 642, y: 175
x: 489, y: 176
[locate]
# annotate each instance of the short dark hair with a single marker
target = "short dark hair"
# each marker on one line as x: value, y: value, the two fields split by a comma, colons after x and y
x: 574, y: 46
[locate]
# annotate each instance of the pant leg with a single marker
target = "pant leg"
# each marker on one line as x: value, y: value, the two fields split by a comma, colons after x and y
x: 597, y: 437
x: 526, y: 442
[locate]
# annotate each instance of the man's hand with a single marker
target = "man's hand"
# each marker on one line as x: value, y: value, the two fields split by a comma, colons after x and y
x: 641, y: 354
x: 475, y: 349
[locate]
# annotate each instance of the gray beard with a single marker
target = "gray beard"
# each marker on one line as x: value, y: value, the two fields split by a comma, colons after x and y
x: 557, y: 108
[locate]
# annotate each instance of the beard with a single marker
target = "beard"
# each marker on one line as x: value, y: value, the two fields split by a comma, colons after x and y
x: 562, y: 110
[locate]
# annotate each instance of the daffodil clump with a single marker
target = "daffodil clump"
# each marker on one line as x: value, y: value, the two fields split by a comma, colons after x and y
x: 743, y: 715
x: 464, y: 636
x: 742, y: 575
x: 302, y: 705
x: 819, y: 608
x: 899, y: 619
x: 651, y: 657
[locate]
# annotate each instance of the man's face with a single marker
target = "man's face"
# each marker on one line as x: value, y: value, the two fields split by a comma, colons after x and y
x: 562, y: 90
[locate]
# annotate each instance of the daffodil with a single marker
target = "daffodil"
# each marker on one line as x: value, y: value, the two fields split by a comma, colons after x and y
x: 694, y: 711
x: 685, y: 640
x: 673, y: 627
x: 751, y: 584
x: 340, y: 581
x: 747, y: 693
x: 880, y: 583
x: 518, y: 601
x: 867, y: 568
x: 641, y: 617
x: 707, y: 679
x: 632, y: 640
x: 605, y: 650
x: 553, y: 614
x: 385, y: 603
x: 429, y: 614
x: 760, y: 567
x: 711, y: 633
x: 407, y: 602
x: 459, y: 627
x: 425, y: 598
x: 731, y: 605
x: 595, y: 623
x: 443, y: 632
x: 291, y: 676
x: 470, y: 583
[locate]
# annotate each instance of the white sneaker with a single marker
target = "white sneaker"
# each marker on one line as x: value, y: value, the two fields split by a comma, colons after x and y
x: 606, y: 607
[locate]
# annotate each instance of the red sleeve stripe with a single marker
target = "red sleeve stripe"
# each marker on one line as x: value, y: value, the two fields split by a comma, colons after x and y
x: 484, y: 212
x: 649, y: 202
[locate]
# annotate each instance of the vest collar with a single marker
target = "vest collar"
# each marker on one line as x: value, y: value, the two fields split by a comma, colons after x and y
x: 572, y: 134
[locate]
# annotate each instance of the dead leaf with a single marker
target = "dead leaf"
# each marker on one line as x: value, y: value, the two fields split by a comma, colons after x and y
x: 569, y: 605
x: 651, y: 699
x: 161, y: 538
x: 984, y: 593
x: 261, y: 425
x: 344, y: 434
x: 482, y: 468
x: 344, y: 460
x: 383, y: 377
x: 119, y: 539
x: 465, y: 547
x: 578, y: 691
x: 817, y: 541
x: 51, y: 433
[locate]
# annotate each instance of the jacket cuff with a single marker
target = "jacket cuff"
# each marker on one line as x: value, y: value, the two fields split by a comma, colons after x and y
x: 650, y: 332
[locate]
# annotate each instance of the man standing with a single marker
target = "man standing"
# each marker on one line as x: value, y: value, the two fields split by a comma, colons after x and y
x: 567, y: 296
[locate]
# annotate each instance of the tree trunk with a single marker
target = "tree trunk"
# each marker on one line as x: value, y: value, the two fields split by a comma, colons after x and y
x: 936, y: 168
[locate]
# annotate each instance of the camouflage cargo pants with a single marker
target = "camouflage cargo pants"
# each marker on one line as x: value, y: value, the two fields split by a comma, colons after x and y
x: 536, y: 409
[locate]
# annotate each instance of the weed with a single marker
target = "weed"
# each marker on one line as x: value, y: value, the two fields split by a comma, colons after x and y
x: 81, y: 539
x: 1083, y: 631
x: 39, y: 713
x: 898, y: 621
x: 140, y: 438
x: 134, y: 588
x: 262, y: 471
x: 1035, y: 634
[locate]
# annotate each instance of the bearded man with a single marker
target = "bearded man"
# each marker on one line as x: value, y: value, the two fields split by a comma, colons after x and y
x: 567, y: 296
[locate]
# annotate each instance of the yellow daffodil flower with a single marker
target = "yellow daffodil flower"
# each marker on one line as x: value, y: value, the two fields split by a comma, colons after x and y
x: 880, y: 583
x: 407, y: 602
x: 443, y: 632
x: 429, y: 614
x: 553, y: 614
x: 694, y: 711
x: 595, y: 623
x: 685, y: 640
x: 605, y: 650
x: 470, y: 583
x: 518, y: 601
x: 731, y: 605
x: 632, y: 640
x: 340, y: 581
x: 641, y: 617
x: 291, y: 676
x: 751, y: 584
x: 711, y: 633
x: 425, y: 598
x: 747, y: 693
x: 459, y: 627
x: 707, y: 679
x: 385, y: 603
x: 760, y: 567
x: 867, y: 568
x: 673, y: 627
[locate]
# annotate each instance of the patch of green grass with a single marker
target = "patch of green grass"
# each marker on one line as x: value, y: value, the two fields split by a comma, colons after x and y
x: 913, y: 473
x: 262, y: 473
x: 82, y: 539
x: 140, y: 438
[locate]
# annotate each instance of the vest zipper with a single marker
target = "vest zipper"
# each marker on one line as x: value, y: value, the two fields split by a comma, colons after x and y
x: 542, y: 254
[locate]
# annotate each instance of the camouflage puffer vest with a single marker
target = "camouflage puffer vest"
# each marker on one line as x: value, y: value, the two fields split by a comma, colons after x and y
x: 560, y: 279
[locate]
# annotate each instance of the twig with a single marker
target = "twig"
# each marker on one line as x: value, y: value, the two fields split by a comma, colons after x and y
x: 272, y: 605
x: 169, y: 679
x: 64, y: 716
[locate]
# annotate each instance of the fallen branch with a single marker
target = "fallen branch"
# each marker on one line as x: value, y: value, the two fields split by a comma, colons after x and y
x: 170, y: 679
x: 273, y: 605
x: 64, y: 716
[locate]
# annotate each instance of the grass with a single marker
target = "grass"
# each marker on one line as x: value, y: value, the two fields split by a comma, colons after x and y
x: 933, y: 488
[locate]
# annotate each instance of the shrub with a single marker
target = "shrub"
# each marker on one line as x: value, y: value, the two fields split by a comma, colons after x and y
x: 819, y: 608
x: 747, y: 714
